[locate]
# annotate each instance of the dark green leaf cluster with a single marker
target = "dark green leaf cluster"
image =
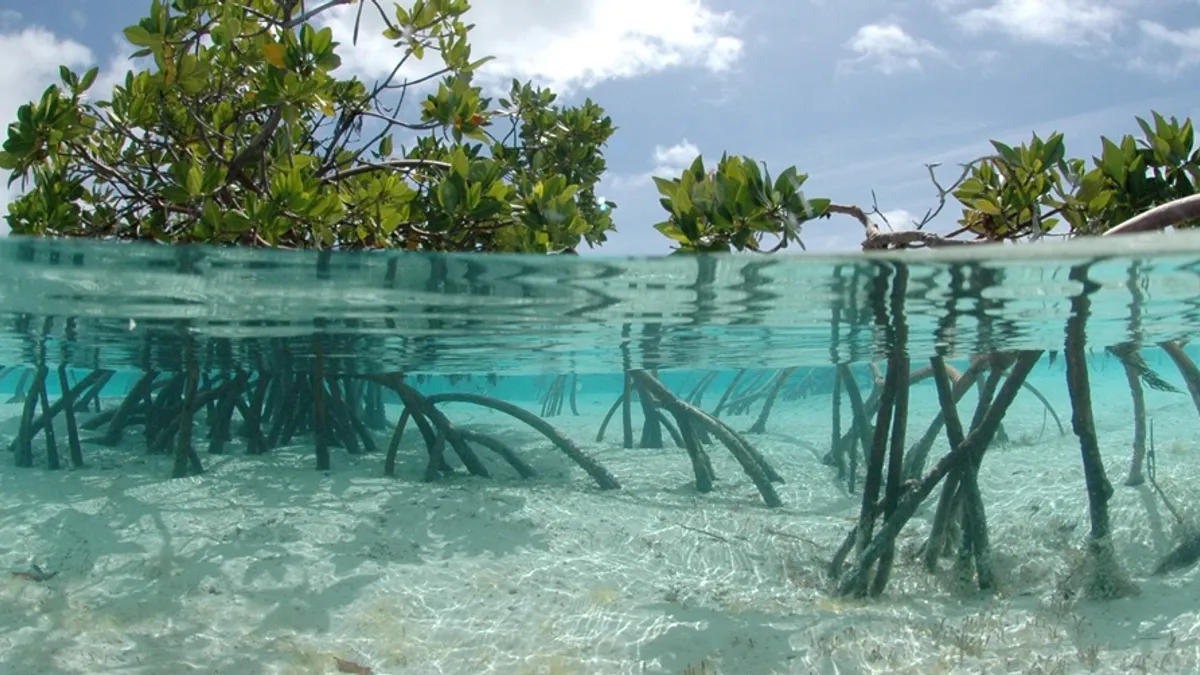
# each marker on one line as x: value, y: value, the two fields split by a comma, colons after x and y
x: 735, y: 206
x: 242, y: 132
x: 1031, y: 189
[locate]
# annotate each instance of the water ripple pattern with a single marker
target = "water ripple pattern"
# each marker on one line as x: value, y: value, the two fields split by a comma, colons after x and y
x: 104, y: 304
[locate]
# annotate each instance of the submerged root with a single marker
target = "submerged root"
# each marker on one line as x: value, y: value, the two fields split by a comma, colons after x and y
x: 760, y: 424
x: 1184, y: 555
x: 694, y: 419
x: 603, y: 478
x: 1105, y: 578
x: 563, y: 387
x: 912, y: 497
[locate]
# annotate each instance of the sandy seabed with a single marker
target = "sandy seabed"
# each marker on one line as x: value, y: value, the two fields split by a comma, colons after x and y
x: 263, y: 565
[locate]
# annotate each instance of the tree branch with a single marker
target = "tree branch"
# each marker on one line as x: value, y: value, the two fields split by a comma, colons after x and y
x: 260, y: 141
x: 368, y: 167
x: 915, y: 238
x: 856, y: 213
x: 1172, y: 213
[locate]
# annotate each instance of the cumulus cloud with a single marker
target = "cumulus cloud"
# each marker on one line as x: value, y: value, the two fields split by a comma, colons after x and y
x: 672, y: 160
x: 668, y: 161
x: 899, y: 219
x: 888, y: 48
x: 566, y: 44
x: 40, y: 53
x: 1051, y: 22
x: 24, y: 77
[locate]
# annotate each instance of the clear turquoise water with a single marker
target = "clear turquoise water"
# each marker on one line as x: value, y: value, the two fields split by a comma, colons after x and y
x: 126, y: 306
x: 514, y: 328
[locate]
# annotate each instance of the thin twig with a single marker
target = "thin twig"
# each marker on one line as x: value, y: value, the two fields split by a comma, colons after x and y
x: 368, y: 167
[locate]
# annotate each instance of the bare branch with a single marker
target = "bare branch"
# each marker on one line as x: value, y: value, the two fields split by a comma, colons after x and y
x: 858, y: 214
x: 314, y: 12
x: 943, y: 192
x: 368, y: 167
x: 260, y: 141
x: 915, y: 239
x: 1161, y: 217
x: 392, y: 121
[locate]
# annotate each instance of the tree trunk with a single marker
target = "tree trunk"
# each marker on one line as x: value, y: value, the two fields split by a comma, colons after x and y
x: 1106, y: 579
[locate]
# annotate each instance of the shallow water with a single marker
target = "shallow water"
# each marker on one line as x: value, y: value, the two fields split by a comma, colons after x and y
x: 124, y: 305
x: 560, y: 549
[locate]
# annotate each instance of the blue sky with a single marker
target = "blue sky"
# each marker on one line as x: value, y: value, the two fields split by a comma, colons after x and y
x: 859, y: 94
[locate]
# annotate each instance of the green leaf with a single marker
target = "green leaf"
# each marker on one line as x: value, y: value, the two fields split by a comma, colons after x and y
x: 667, y: 187
x: 458, y: 163
x: 88, y: 79
x: 140, y: 37
x: 232, y: 221
x: 329, y: 62
x: 475, y: 66
x: 987, y: 206
x: 1007, y: 152
x: 195, y: 180
x: 1100, y: 201
x: 274, y: 53
x: 816, y: 208
x: 1146, y: 129
x: 67, y: 77
x: 1112, y: 161
x: 1054, y: 150
x: 449, y: 195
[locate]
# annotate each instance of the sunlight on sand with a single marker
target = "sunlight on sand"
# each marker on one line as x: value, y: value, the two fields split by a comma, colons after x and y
x: 263, y: 565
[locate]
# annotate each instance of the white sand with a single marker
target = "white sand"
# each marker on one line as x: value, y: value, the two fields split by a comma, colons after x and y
x: 264, y: 565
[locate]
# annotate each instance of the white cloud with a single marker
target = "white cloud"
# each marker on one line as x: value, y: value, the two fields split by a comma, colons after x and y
x: 898, y: 219
x: 25, y: 77
x: 671, y: 161
x: 566, y: 44
x: 42, y: 52
x: 1052, y: 22
x: 888, y: 48
x: 113, y: 73
x: 1185, y: 45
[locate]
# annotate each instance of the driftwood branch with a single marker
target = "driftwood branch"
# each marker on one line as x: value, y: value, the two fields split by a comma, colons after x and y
x: 878, y: 240
x: 1161, y: 217
x: 915, y: 239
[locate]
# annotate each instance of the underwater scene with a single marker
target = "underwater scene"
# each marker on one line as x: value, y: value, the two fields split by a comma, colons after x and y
x: 223, y: 460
